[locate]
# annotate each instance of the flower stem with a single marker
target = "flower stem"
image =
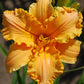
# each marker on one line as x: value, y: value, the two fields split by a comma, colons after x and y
x: 74, y: 69
x: 4, y: 52
x: 19, y: 78
x: 24, y: 73
x: 14, y: 81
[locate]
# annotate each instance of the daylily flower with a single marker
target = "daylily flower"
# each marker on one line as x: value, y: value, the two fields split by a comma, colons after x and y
x: 43, y: 39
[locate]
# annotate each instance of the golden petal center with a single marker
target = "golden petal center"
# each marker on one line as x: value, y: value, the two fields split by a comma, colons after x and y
x: 43, y: 40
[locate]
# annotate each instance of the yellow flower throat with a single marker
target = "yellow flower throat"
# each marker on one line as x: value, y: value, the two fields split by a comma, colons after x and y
x: 42, y: 40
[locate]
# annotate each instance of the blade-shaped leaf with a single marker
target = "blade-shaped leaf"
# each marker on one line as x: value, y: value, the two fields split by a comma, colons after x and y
x: 81, y: 80
x: 3, y: 51
x: 63, y: 2
x: 57, y: 80
x: 14, y: 81
x: 75, y: 5
x: 33, y: 82
x: 70, y: 3
x: 24, y: 73
x: 1, y: 7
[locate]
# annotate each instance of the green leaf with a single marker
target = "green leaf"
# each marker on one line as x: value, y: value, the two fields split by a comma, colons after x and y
x: 19, y: 77
x: 57, y: 80
x: 33, y: 82
x: 14, y: 81
x: 63, y: 2
x: 70, y: 3
x: 53, y: 2
x: 3, y: 51
x: 75, y: 5
x: 1, y: 7
x: 81, y: 80
x: 24, y: 74
x: 76, y: 69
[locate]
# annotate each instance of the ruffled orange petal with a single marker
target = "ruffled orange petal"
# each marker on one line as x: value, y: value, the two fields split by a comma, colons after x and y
x: 32, y: 9
x: 42, y: 9
x: 65, y: 25
x: 50, y: 25
x: 20, y: 26
x: 69, y: 51
x: 19, y: 55
x: 45, y: 67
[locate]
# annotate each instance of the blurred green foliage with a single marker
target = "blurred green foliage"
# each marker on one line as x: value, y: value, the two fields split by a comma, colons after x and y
x: 33, y: 82
x: 1, y: 7
x: 63, y: 2
x: 81, y: 80
x: 75, y: 5
x: 68, y: 3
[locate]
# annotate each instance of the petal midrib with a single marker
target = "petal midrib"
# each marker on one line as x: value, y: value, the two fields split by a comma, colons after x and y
x: 18, y: 27
x: 64, y: 23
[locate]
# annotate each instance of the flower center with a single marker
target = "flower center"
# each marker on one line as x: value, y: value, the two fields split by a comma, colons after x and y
x: 42, y: 40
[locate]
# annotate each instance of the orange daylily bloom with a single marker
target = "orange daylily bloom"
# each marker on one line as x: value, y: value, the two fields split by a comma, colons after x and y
x: 43, y: 39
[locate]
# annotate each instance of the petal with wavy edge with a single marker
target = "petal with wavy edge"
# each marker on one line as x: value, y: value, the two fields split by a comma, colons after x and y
x: 41, y: 10
x: 65, y: 25
x: 45, y: 67
x: 19, y: 55
x: 32, y: 9
x: 20, y: 26
x: 69, y: 51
